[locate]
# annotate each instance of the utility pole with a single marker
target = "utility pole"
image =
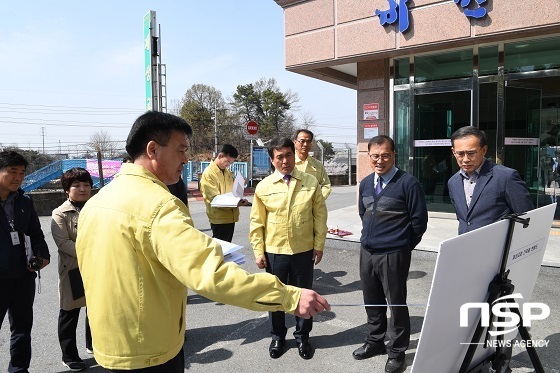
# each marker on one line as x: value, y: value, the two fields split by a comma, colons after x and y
x: 43, y: 134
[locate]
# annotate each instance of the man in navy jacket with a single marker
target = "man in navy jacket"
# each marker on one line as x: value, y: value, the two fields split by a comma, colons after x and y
x: 394, y: 217
x: 482, y: 192
x: 18, y: 219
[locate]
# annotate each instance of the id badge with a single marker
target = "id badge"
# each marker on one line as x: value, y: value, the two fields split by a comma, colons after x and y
x: 15, y: 238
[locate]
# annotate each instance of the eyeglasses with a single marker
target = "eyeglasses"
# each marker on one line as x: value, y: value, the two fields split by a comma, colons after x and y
x: 375, y: 157
x: 468, y: 153
x: 302, y: 141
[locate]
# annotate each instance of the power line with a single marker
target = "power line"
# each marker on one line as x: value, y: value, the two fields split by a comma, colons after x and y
x: 69, y: 125
x: 60, y: 120
x: 71, y: 107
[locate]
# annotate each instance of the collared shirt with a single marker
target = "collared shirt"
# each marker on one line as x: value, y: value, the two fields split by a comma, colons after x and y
x: 385, y: 179
x: 282, y: 175
x: 469, y: 182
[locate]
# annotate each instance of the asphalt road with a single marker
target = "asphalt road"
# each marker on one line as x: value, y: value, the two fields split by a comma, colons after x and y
x: 222, y: 338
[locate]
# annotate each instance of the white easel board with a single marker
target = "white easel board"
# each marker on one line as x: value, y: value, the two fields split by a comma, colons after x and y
x: 465, y: 267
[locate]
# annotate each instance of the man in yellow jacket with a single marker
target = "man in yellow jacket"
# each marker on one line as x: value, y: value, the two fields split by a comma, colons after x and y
x: 288, y: 231
x: 218, y: 179
x: 303, y: 140
x: 138, y: 253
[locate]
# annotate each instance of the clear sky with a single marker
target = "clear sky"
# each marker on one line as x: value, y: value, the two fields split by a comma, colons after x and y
x: 71, y: 68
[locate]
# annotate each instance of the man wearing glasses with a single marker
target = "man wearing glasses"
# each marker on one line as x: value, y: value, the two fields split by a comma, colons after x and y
x: 394, y: 217
x: 303, y: 140
x: 482, y: 192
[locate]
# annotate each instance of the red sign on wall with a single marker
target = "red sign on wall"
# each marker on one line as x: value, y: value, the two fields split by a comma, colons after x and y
x: 252, y: 127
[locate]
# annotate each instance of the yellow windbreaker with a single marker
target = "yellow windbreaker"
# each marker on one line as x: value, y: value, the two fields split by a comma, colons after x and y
x: 288, y: 219
x: 314, y: 167
x: 138, y: 253
x: 213, y: 183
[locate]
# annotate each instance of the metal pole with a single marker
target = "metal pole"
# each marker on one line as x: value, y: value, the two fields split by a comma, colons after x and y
x: 100, y: 168
x: 349, y: 163
x: 349, y: 166
x: 251, y: 163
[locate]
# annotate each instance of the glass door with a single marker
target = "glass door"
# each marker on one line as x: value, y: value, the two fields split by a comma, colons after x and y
x: 436, y: 116
x: 522, y: 122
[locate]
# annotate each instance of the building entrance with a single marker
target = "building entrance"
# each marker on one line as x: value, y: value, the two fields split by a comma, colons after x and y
x: 521, y: 120
x: 436, y: 117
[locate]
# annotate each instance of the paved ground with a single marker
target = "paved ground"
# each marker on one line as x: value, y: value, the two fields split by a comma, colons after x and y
x: 222, y: 338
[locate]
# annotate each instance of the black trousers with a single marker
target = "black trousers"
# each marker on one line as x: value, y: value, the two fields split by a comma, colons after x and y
x: 383, y: 278
x: 16, y: 297
x: 294, y: 270
x: 223, y: 231
x: 67, y: 324
x: 175, y: 365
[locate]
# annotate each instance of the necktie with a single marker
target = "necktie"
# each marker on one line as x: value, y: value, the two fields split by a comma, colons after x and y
x: 287, y: 179
x: 379, y: 186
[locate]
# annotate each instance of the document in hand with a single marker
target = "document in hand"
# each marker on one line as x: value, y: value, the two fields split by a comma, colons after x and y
x: 230, y: 251
x: 230, y: 199
x: 225, y: 200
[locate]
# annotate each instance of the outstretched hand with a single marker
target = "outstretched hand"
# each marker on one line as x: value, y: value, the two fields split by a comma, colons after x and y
x: 311, y: 303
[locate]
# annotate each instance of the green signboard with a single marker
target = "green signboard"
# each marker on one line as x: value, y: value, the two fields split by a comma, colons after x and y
x: 148, y: 57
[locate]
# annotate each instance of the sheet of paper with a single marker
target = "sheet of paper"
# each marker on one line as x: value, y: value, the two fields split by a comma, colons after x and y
x: 230, y: 251
x: 236, y: 258
x: 238, y: 186
x: 28, y: 249
x: 225, y: 200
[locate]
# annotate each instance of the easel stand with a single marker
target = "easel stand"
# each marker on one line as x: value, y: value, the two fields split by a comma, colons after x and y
x: 499, y: 287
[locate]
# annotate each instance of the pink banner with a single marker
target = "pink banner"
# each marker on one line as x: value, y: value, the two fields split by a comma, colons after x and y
x: 110, y: 168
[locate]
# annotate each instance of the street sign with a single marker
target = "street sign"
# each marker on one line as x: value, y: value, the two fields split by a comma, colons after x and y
x: 252, y: 127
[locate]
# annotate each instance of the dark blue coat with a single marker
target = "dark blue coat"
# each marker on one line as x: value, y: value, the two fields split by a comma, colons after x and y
x: 26, y: 221
x: 499, y: 191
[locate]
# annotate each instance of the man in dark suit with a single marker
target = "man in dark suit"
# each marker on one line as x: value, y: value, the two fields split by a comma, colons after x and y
x: 482, y: 192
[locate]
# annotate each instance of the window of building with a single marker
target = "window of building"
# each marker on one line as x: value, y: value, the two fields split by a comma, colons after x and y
x: 402, y: 71
x: 532, y: 55
x: 488, y: 60
x: 452, y: 65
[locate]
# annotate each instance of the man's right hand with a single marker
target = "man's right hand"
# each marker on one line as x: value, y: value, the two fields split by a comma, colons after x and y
x: 310, y: 303
x: 261, y: 262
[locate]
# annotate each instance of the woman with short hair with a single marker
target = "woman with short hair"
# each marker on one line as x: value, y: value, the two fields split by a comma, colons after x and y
x: 77, y: 184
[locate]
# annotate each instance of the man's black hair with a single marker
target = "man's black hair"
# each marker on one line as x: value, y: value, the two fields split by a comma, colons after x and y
x: 380, y: 140
x: 306, y: 131
x: 229, y: 150
x: 470, y: 131
x: 156, y: 126
x: 11, y: 158
x: 280, y: 143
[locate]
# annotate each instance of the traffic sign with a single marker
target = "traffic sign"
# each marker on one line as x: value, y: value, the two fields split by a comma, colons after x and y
x: 252, y: 127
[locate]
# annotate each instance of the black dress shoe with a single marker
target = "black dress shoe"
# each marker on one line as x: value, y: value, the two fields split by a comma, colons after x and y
x: 276, y: 348
x: 305, y: 350
x: 395, y: 364
x: 369, y: 350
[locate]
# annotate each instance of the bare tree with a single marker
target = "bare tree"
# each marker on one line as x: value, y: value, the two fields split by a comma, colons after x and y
x: 307, y: 121
x: 101, y: 142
